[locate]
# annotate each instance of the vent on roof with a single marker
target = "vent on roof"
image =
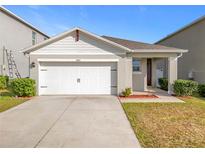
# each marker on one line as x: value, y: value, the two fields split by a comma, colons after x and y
x: 77, y: 36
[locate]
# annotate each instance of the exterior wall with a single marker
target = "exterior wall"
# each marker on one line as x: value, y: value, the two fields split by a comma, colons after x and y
x: 124, y: 74
x: 191, y: 38
x: 154, y: 72
x: 163, y: 64
x: 139, y: 79
x: 15, y: 36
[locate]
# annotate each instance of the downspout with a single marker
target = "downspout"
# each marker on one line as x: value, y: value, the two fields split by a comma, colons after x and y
x: 29, y: 68
x: 3, y: 66
x: 180, y: 55
x: 28, y: 56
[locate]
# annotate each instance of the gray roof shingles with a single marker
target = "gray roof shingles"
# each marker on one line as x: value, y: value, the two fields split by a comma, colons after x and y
x: 134, y: 45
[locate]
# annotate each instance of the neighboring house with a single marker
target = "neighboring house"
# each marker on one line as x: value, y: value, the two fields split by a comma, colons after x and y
x: 192, y: 37
x: 79, y: 62
x: 16, y: 34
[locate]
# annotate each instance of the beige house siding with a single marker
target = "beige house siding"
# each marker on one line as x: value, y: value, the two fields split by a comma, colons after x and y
x: 85, y: 45
x: 139, y: 79
x: 193, y: 39
x: 15, y: 36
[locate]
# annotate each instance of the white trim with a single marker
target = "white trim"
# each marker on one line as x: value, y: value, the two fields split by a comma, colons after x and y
x: 99, y: 60
x: 159, y: 51
x: 56, y: 60
x: 78, y: 60
x: 38, y: 82
x: 137, y: 72
x: 36, y: 53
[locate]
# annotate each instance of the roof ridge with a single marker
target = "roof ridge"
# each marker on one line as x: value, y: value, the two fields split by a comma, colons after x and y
x: 124, y: 39
x: 159, y: 45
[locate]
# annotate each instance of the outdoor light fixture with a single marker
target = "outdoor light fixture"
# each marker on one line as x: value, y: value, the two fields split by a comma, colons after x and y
x: 33, y: 65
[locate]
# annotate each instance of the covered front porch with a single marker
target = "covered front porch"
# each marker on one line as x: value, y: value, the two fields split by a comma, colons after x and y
x: 149, y: 67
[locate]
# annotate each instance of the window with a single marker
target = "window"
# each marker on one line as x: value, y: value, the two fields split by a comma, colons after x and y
x: 136, y: 65
x: 33, y: 38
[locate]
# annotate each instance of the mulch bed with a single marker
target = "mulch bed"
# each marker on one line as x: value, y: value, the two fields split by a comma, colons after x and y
x: 140, y: 96
x: 26, y: 97
x: 188, y: 97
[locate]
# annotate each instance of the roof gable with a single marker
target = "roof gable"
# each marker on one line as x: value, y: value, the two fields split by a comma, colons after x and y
x: 82, y: 45
x: 67, y: 33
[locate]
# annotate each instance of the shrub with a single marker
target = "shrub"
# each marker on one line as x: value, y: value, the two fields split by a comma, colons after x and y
x: 127, y: 92
x: 163, y: 82
x: 7, y: 80
x: 3, y: 82
x: 201, y: 89
x: 185, y: 87
x: 23, y: 87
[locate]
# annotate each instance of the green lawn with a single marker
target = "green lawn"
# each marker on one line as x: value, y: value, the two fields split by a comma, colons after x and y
x: 7, y: 101
x: 168, y: 124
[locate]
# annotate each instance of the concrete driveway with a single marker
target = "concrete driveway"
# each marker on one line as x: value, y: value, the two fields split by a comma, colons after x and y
x: 65, y: 121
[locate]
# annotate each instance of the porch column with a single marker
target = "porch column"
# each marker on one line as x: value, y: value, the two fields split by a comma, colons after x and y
x: 172, y: 73
x: 154, y: 71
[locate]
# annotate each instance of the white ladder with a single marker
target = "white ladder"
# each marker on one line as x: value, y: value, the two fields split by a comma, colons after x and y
x: 12, y: 65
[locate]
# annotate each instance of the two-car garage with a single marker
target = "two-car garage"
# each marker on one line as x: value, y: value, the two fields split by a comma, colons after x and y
x: 77, y: 78
x: 78, y: 62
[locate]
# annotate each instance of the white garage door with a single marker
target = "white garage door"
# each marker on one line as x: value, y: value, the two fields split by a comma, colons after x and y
x: 71, y: 79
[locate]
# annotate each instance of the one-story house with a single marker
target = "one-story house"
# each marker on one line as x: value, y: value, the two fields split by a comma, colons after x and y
x: 80, y: 62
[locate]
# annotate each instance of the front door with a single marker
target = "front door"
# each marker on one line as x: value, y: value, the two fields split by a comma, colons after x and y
x: 149, y: 72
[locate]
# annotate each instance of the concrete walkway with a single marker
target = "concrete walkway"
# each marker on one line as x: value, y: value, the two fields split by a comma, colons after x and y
x: 162, y: 95
x: 63, y: 121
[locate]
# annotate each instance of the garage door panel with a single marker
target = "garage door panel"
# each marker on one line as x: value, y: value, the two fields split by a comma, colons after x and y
x: 65, y: 79
x: 94, y: 80
x: 69, y: 80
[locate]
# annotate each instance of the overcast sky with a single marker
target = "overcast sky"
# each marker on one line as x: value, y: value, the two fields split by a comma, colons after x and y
x: 140, y: 23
